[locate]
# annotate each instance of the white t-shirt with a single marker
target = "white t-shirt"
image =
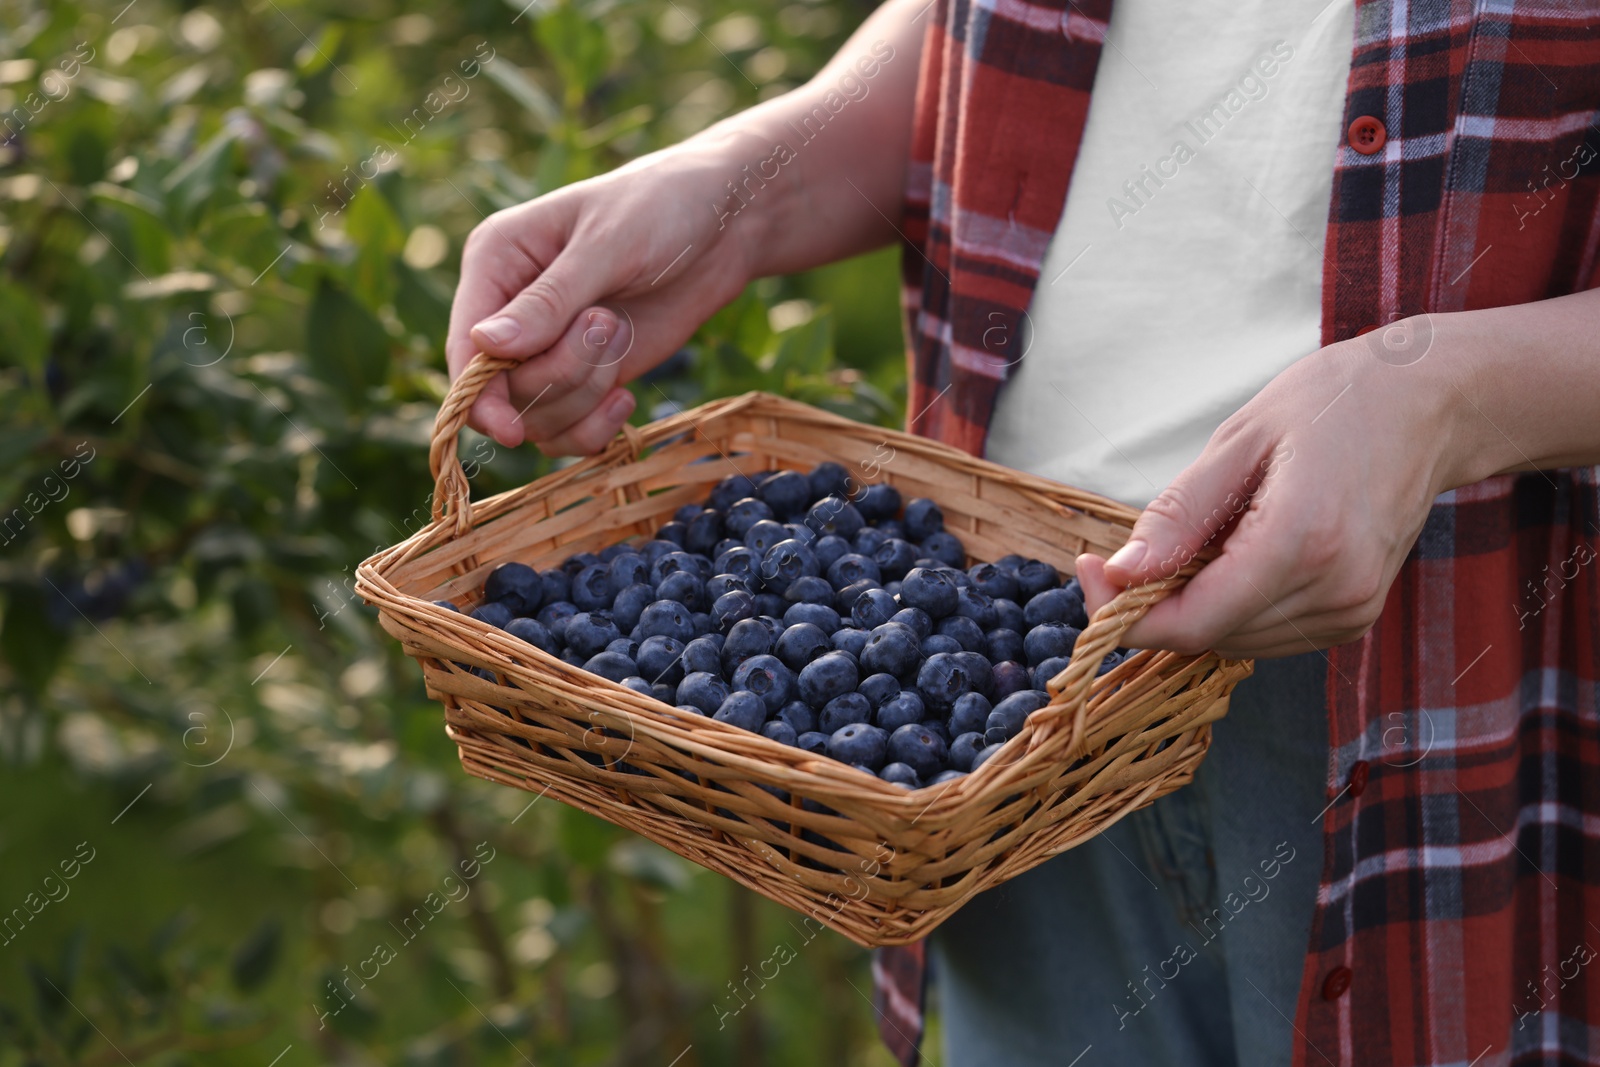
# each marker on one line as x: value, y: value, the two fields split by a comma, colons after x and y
x: 1186, y: 271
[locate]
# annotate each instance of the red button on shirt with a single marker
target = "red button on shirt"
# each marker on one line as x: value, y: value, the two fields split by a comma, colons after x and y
x: 1367, y: 135
x: 1358, y: 777
x: 1336, y: 983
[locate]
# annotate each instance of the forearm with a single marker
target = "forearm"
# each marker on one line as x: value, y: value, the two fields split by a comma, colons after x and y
x: 817, y: 174
x: 1524, y: 384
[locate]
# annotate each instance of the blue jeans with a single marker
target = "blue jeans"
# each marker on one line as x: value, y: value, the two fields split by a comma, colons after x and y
x: 1175, y: 937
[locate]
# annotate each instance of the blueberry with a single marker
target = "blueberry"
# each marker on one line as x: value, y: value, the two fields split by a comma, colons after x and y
x: 851, y: 568
x: 964, y: 748
x: 929, y: 590
x: 900, y: 774
x: 1047, y: 670
x: 630, y: 604
x: 654, y: 550
x: 701, y: 621
x: 575, y: 563
x: 923, y: 518
x: 516, y: 585
x: 821, y: 616
x: 830, y: 675
x: 767, y: 678
x: 894, y: 558
x: 974, y: 604
x: 945, y: 548
x: 701, y: 654
x: 626, y: 646
x: 689, y: 708
x: 494, y: 613
x: 1057, y: 605
x: 780, y: 731
x: 764, y: 534
x: 843, y: 710
x: 867, y: 541
x: 555, y: 616
x: 638, y: 685
x: 810, y: 589
x: 939, y: 728
x: 535, y: 633
x: 984, y: 755
x: 919, y: 748
x: 675, y: 532
x: 556, y: 585
x: 835, y: 515
x: 611, y: 552
x: 749, y: 637
x: 684, y: 587
x: 878, y: 502
x: 845, y: 599
x: 667, y: 618
x: 588, y: 633
x: 660, y: 659
x: 612, y: 665
x: 1048, y: 640
x: 721, y: 584
x: 787, y: 493
x: 686, y: 512
x: 1010, y: 564
x: 890, y: 649
x: 943, y: 680
x: 704, y: 691
x: 771, y: 606
x: 742, y: 709
x: 813, y: 741
x: 801, y: 532
x: 1009, y: 616
x: 784, y: 563
x: 1009, y: 677
x: 850, y: 640
x: 744, y: 514
x: 970, y: 713
x: 1113, y: 658
x: 591, y: 589
x: 1005, y: 721
x: 915, y: 618
x: 733, y: 488
x: 569, y: 656
x: 879, y: 688
x: 902, y: 708
x: 934, y: 644
x: 739, y: 561
x: 671, y: 563
x: 732, y: 607
x: 628, y: 568
x: 723, y: 547
x: 1002, y: 644
x: 799, y: 715
x: 828, y: 479
x: 449, y: 605
x: 968, y: 634
x: 993, y: 581
x: 1034, y: 577
x: 829, y: 548
x: 705, y: 530
x: 873, y: 608
x: 859, y: 743
x: 800, y: 643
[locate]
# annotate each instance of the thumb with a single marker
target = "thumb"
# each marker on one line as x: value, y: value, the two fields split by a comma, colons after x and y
x: 1197, y: 508
x: 536, y: 318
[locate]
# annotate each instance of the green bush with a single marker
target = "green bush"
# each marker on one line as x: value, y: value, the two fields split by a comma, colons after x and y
x: 227, y: 237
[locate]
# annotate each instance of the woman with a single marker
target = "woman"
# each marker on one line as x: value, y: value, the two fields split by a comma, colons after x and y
x: 1312, y: 281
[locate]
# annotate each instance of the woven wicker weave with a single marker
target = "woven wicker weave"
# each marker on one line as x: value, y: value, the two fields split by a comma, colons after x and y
x: 879, y: 863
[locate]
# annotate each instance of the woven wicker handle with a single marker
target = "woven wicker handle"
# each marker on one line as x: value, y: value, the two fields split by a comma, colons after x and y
x: 452, y: 495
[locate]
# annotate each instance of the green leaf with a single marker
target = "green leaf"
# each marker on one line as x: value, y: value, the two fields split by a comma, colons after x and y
x: 196, y: 179
x: 806, y: 349
x: 577, y: 46
x: 30, y: 644
x: 316, y: 54
x: 347, y: 346
x: 257, y: 955
x: 422, y: 305
x: 25, y: 328
x: 525, y: 91
x: 370, y: 222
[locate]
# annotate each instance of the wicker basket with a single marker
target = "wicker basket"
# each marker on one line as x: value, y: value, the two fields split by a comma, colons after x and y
x: 876, y: 862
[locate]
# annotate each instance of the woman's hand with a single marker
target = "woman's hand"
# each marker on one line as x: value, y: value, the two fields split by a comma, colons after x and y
x: 1315, y: 490
x: 1318, y: 487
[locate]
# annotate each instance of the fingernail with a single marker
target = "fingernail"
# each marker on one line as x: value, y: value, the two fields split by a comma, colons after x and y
x: 498, y: 331
x: 1128, y: 556
x: 620, y: 406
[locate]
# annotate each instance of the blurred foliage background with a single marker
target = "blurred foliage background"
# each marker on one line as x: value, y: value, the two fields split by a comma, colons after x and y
x: 228, y: 237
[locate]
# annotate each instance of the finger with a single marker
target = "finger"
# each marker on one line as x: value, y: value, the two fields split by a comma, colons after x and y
x: 1200, y: 505
x: 595, y: 430
x: 555, y: 389
x: 536, y: 317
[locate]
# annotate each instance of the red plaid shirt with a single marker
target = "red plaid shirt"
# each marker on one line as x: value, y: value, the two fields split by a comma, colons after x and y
x: 1460, y: 889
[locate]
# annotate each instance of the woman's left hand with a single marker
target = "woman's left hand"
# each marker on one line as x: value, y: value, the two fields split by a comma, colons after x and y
x: 1316, y: 490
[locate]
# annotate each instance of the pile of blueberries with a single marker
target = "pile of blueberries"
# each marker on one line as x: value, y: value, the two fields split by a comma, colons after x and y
x: 818, y: 613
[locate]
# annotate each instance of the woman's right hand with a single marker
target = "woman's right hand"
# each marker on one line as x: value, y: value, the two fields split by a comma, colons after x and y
x: 590, y: 286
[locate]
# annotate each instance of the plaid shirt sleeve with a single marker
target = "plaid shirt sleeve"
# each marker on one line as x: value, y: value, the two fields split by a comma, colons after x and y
x: 1460, y: 896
